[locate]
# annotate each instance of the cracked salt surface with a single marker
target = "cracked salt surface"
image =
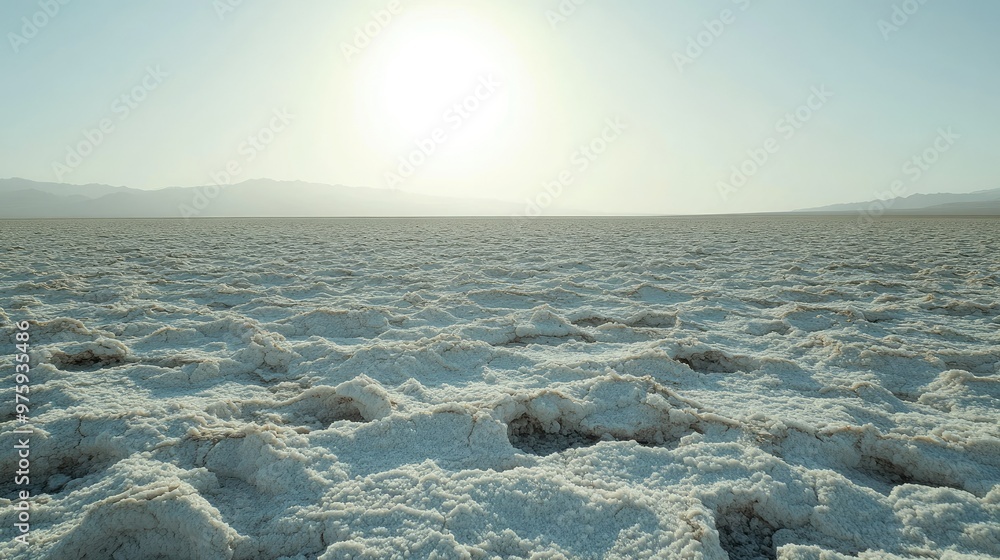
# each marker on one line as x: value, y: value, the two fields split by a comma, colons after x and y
x: 620, y: 388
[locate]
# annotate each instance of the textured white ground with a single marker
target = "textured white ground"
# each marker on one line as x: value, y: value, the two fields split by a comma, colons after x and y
x: 798, y: 388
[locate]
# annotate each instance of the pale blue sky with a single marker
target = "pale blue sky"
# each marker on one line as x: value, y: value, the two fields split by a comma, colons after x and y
x: 556, y: 87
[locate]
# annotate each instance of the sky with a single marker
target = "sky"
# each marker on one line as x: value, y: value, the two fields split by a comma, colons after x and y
x: 626, y: 106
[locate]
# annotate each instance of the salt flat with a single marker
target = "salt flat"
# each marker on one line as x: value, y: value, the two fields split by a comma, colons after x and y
x: 551, y: 388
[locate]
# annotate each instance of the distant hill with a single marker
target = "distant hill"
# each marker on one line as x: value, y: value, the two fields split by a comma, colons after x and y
x: 22, y: 198
x: 255, y: 198
x: 976, y: 203
x: 60, y: 189
x: 984, y: 208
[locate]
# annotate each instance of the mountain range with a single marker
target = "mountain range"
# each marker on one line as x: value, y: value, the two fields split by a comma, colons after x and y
x: 22, y: 198
x: 977, y: 203
x: 254, y: 198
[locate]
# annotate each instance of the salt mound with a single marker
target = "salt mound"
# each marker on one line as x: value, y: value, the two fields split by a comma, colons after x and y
x: 545, y: 322
x: 142, y: 518
x: 102, y: 352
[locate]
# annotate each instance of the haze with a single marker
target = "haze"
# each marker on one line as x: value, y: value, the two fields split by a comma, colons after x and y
x: 630, y: 107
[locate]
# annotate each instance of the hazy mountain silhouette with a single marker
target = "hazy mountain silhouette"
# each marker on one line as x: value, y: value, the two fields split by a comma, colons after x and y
x: 985, y: 202
x: 260, y: 197
x: 23, y: 198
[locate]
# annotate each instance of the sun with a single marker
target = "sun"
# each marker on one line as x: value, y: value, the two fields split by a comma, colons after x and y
x: 436, y: 66
x: 444, y: 72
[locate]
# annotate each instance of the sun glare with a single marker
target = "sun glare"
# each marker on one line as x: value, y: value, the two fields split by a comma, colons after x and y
x: 440, y: 74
